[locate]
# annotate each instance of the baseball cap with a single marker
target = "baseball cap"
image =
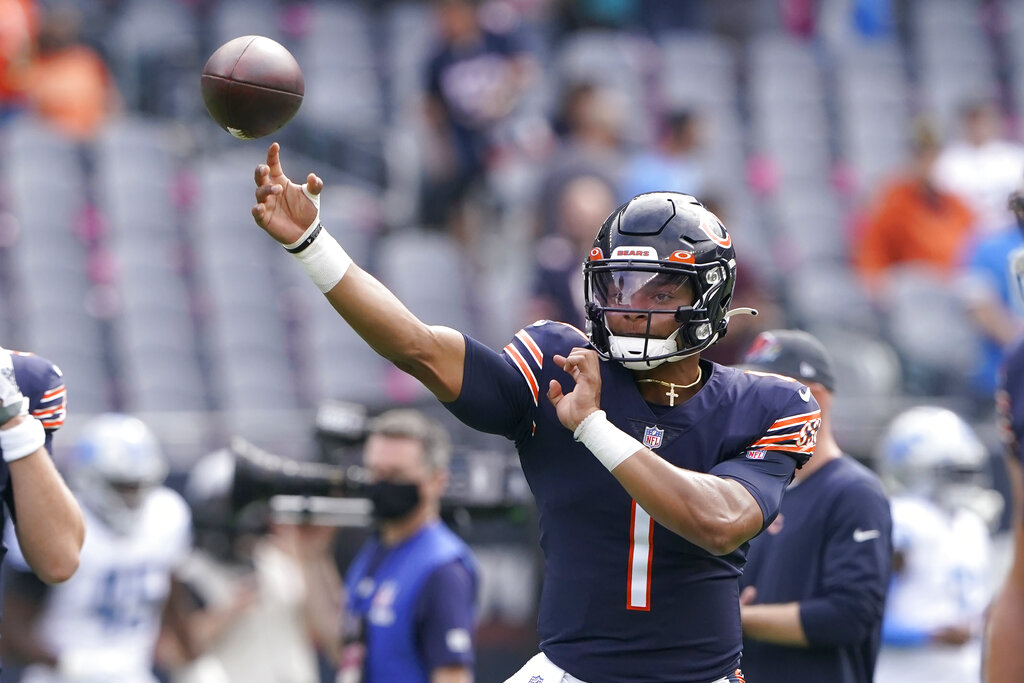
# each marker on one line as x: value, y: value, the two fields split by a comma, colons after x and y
x: 793, y: 353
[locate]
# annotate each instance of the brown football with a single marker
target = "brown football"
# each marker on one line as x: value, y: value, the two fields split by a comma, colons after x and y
x: 252, y: 86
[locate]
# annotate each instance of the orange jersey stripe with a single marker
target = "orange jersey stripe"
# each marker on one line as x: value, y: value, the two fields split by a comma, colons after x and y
x: 53, y: 393
x: 788, y: 448
x: 786, y: 421
x: 524, y: 369
x: 48, y: 412
x: 531, y: 346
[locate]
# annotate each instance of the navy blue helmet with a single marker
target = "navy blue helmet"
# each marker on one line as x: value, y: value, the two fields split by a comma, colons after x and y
x: 660, y: 238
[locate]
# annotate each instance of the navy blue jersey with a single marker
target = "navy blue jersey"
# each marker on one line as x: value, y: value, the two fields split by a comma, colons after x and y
x: 41, y: 381
x: 624, y: 599
x: 1010, y: 399
x: 830, y: 549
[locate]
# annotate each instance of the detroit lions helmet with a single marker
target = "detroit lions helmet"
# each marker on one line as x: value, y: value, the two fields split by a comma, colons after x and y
x: 115, y: 464
x: 659, y: 239
x: 932, y: 453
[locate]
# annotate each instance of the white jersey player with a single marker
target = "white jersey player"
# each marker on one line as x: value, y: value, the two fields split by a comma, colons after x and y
x: 103, y: 624
x: 941, y: 512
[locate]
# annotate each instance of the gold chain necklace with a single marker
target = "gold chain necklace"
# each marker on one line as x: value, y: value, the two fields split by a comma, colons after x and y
x: 671, y: 393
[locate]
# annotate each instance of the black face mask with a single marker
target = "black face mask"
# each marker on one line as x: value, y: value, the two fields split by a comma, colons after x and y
x: 392, y: 500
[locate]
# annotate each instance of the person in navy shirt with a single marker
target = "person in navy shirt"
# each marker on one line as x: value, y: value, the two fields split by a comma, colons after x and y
x: 411, y: 591
x: 651, y: 468
x: 815, y: 584
x: 47, y: 520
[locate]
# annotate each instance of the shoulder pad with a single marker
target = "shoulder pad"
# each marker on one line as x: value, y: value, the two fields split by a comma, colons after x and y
x: 538, y: 342
x: 43, y: 383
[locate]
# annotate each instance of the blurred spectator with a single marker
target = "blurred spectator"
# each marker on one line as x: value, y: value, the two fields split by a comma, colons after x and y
x: 17, y: 41
x: 992, y: 297
x: 942, y: 509
x: 804, y: 619
x: 558, y: 279
x: 673, y: 164
x: 411, y: 592
x: 475, y: 77
x: 262, y: 596
x: 913, y: 220
x: 982, y: 167
x: 591, y: 122
x: 103, y: 623
x: 67, y: 82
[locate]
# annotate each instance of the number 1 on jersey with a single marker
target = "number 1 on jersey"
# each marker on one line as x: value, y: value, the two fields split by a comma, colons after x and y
x: 641, y: 552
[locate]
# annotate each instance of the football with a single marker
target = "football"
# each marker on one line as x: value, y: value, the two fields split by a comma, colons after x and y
x: 252, y: 86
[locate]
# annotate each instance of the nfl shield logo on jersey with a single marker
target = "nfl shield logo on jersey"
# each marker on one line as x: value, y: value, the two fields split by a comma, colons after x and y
x: 653, y: 436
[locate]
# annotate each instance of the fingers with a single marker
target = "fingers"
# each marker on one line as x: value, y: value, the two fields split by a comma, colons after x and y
x: 555, y: 391
x: 261, y: 173
x: 748, y: 595
x: 580, y: 361
x: 274, y: 160
x: 314, y: 185
x: 265, y: 191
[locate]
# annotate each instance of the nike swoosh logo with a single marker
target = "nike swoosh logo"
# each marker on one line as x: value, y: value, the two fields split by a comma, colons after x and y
x: 861, y: 535
x: 805, y: 393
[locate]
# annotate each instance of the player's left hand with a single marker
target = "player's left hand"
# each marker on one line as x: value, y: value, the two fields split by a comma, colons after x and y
x: 284, y: 209
x: 584, y: 366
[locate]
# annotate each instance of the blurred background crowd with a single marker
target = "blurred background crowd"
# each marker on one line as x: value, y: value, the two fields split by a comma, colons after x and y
x: 861, y: 152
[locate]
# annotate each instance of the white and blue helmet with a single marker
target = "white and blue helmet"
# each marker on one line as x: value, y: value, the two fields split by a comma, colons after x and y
x: 932, y: 453
x: 116, y: 462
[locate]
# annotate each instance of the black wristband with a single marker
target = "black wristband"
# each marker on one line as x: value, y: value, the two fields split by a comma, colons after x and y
x: 302, y: 246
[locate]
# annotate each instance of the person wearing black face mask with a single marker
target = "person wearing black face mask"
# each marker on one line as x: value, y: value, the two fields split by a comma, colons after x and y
x: 411, y: 591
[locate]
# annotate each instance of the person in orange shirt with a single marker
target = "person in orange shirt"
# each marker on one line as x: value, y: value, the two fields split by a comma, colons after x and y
x: 913, y: 220
x: 68, y: 83
x: 17, y: 37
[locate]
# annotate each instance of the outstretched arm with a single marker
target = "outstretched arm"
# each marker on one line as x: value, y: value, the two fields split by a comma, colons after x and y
x: 290, y: 213
x: 715, y: 513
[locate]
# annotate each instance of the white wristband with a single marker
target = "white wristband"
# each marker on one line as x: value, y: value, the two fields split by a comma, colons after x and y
x: 23, y: 439
x: 608, y: 443
x: 320, y: 255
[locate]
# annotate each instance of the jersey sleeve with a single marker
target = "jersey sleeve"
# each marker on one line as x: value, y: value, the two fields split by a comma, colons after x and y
x: 765, y: 474
x: 765, y: 467
x: 446, y: 616
x: 499, y: 391
x: 178, y: 518
x: 793, y: 428
x: 857, y: 561
x: 43, y: 383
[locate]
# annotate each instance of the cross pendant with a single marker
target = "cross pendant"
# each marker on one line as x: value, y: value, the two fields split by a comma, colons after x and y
x: 672, y: 395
